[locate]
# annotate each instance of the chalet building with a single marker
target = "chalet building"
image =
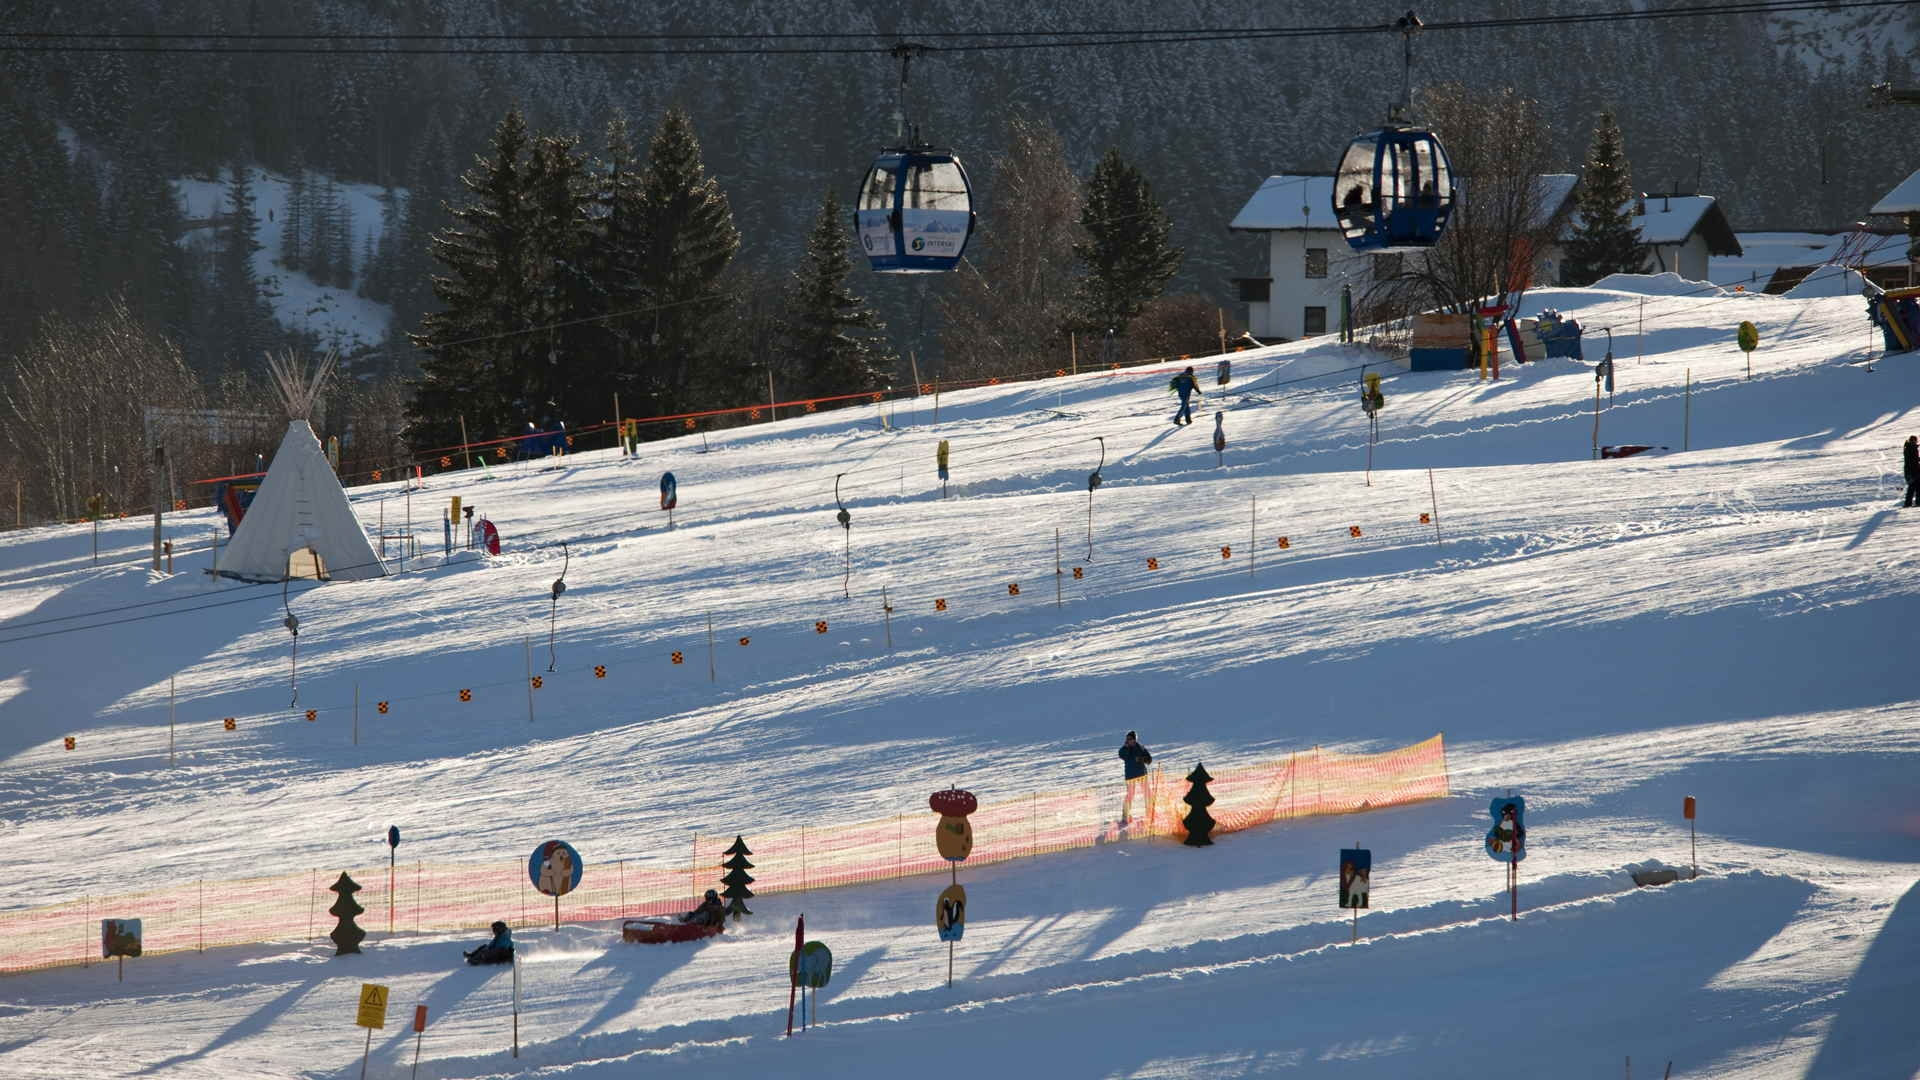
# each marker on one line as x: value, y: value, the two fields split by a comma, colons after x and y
x: 1308, y: 260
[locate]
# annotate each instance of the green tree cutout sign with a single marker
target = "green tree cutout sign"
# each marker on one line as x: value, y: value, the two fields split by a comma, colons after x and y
x: 1749, y: 338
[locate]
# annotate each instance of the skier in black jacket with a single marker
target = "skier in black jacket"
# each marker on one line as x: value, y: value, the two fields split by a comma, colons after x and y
x: 1910, y: 461
x: 1137, y: 759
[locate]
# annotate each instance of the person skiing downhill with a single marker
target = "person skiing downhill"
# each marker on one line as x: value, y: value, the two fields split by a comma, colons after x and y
x: 1136, y: 760
x: 1910, y: 464
x: 1187, y: 387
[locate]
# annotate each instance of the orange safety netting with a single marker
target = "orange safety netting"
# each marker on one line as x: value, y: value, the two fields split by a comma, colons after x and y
x: 454, y: 896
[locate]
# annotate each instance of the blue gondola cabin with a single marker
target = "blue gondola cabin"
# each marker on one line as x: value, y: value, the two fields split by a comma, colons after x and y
x: 915, y: 212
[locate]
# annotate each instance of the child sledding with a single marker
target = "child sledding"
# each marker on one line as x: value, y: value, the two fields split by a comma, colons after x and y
x: 497, y: 951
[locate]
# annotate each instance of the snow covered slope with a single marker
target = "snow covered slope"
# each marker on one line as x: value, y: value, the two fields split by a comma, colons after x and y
x: 1728, y: 615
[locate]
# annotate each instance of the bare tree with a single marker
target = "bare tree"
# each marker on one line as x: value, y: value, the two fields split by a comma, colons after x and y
x: 1500, y: 144
x: 1007, y: 313
x: 89, y: 398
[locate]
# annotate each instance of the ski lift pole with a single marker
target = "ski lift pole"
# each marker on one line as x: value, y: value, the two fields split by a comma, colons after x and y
x: 553, y: 610
x: 846, y: 528
x: 1093, y: 481
x: 293, y: 627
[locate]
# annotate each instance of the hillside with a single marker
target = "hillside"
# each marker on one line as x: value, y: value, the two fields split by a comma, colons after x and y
x: 1725, y: 621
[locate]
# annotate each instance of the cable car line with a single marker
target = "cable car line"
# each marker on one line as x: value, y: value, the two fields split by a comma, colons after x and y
x: 955, y: 41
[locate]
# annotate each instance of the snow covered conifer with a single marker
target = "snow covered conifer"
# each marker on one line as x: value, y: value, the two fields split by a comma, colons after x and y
x: 1128, y: 254
x: 1605, y: 242
x: 828, y: 338
x: 486, y: 291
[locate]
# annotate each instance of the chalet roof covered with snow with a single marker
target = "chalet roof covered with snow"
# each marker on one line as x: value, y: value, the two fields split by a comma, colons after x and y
x: 1287, y: 203
x: 1671, y: 219
x: 1903, y: 199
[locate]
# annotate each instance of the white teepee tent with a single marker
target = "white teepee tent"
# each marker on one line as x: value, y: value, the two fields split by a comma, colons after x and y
x: 300, y: 524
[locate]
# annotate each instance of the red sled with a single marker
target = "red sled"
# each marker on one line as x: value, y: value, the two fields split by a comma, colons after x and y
x: 663, y: 931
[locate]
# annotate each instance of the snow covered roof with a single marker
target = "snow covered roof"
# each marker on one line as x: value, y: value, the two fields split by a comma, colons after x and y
x: 1671, y: 219
x: 1288, y: 203
x: 1555, y: 191
x: 1903, y: 199
x: 1297, y: 203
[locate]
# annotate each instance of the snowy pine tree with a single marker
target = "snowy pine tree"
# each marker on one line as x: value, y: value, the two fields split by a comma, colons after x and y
x: 484, y: 287
x: 828, y: 340
x: 1605, y: 241
x: 686, y: 242
x: 1127, y: 253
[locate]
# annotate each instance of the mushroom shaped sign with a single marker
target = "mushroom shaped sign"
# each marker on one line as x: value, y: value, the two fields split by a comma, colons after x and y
x: 953, y: 836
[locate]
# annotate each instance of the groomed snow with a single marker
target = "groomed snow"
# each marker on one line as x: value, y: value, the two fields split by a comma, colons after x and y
x: 1731, y: 619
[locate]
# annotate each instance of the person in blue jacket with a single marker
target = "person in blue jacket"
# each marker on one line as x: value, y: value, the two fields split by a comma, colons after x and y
x: 497, y: 951
x: 1136, y: 760
x: 1186, y: 386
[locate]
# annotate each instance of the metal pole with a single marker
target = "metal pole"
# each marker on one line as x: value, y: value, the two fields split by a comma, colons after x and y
x: 1056, y: 567
x: 1693, y: 843
x: 159, y: 498
x: 619, y: 425
x: 772, y: 413
x: 886, y: 613
x: 528, y: 644
x: 1433, y: 500
x: 1596, y: 419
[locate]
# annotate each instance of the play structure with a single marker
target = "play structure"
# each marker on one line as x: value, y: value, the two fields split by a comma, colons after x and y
x: 1897, y: 313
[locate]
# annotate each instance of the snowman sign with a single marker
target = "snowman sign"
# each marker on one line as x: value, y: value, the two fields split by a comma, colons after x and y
x: 1507, y: 841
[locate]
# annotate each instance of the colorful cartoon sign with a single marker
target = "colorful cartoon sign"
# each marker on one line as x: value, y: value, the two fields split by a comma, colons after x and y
x: 950, y: 913
x: 953, y: 837
x: 1507, y: 840
x: 555, y: 868
x: 810, y: 965
x: 1356, y: 877
x: 669, y: 491
x: 119, y: 937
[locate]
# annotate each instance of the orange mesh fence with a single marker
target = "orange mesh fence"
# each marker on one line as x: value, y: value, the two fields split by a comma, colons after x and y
x: 456, y: 896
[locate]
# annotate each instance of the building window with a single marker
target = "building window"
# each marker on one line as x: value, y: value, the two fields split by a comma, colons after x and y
x: 1254, y: 290
x: 1316, y: 262
x: 1315, y: 322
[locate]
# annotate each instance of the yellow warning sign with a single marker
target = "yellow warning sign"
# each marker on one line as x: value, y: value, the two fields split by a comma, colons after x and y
x: 373, y: 1006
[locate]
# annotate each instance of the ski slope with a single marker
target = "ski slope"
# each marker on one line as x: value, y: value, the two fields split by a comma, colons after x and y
x: 1731, y: 620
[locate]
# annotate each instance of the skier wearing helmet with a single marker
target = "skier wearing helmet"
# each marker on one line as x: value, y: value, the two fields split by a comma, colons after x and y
x: 710, y: 912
